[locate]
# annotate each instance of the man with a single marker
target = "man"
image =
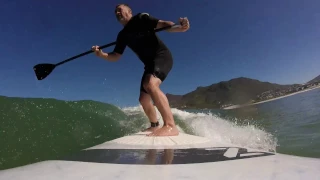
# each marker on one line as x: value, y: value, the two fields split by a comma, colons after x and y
x: 138, y: 35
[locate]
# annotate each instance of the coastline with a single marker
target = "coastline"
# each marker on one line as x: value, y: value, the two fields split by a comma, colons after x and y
x: 291, y: 94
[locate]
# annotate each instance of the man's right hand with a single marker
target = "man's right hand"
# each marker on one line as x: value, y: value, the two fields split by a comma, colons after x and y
x: 97, y: 51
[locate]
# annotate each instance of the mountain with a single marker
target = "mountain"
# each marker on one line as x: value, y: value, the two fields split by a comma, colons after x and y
x: 174, y: 98
x: 235, y: 91
x: 316, y: 79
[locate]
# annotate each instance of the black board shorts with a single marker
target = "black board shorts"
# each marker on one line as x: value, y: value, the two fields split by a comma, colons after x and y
x: 159, y: 67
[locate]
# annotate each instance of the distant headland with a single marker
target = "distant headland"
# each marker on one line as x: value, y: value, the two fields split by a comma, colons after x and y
x: 237, y: 92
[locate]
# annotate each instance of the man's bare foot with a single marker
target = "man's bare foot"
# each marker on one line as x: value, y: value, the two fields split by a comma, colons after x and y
x: 165, y: 131
x: 151, y: 129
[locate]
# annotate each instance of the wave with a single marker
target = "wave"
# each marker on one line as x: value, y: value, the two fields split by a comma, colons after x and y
x: 37, y: 129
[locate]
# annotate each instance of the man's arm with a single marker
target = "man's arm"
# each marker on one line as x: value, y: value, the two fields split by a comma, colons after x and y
x: 162, y: 23
x: 156, y: 23
x: 112, y: 56
x: 117, y: 51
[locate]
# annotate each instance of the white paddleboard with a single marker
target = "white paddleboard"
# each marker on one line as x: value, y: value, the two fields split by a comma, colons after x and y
x: 185, y: 156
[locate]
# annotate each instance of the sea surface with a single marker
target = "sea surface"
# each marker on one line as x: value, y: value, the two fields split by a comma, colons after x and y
x: 35, y: 129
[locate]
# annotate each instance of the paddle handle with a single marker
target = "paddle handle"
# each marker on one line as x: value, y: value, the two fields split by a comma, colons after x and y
x: 108, y: 45
x: 83, y: 54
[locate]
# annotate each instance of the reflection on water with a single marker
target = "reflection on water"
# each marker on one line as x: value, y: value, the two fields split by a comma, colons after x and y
x: 166, y: 158
x: 163, y: 156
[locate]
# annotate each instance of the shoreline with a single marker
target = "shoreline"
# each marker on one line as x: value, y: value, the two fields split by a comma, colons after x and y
x: 273, y: 99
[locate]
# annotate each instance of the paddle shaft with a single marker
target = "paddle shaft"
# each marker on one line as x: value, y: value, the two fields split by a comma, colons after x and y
x: 106, y: 45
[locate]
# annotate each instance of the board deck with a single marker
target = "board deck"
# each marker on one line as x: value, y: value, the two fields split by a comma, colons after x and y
x: 185, y: 156
x: 141, y: 140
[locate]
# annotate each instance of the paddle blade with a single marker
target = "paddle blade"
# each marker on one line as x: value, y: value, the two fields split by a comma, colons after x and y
x: 43, y: 70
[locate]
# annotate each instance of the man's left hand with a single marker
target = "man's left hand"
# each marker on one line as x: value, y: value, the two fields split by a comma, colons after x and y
x: 184, y: 22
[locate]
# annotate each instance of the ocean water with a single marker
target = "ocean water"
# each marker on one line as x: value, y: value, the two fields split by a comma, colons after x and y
x: 294, y: 121
x: 33, y: 130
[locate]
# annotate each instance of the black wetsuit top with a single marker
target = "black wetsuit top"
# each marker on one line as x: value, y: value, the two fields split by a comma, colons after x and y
x: 138, y: 34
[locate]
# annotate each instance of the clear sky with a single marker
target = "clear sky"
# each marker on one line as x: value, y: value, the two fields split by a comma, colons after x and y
x: 273, y: 41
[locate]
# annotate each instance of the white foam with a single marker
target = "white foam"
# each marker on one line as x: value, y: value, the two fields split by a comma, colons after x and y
x: 219, y: 129
x: 132, y: 110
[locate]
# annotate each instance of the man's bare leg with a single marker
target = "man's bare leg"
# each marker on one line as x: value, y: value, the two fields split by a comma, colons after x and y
x: 151, y: 84
x: 147, y: 105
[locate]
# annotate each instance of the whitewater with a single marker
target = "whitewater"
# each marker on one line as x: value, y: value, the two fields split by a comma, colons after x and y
x: 214, y: 127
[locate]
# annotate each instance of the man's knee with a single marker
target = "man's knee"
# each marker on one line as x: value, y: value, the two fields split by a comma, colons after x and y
x: 149, y: 86
x: 151, y: 83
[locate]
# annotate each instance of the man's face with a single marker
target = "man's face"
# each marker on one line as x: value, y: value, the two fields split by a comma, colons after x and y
x: 123, y: 14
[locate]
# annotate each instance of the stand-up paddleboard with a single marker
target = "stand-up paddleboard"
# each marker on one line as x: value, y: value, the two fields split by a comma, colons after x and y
x: 185, y: 156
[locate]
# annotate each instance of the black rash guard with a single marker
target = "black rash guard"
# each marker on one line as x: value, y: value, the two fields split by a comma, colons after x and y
x: 138, y: 34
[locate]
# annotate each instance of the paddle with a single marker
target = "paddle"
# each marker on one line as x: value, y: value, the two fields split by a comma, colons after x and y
x: 43, y: 70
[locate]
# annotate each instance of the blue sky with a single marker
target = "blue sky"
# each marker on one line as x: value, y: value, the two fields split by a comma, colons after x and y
x: 271, y: 41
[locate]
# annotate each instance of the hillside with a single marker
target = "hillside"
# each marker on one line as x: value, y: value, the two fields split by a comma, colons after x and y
x: 315, y: 80
x: 235, y: 91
